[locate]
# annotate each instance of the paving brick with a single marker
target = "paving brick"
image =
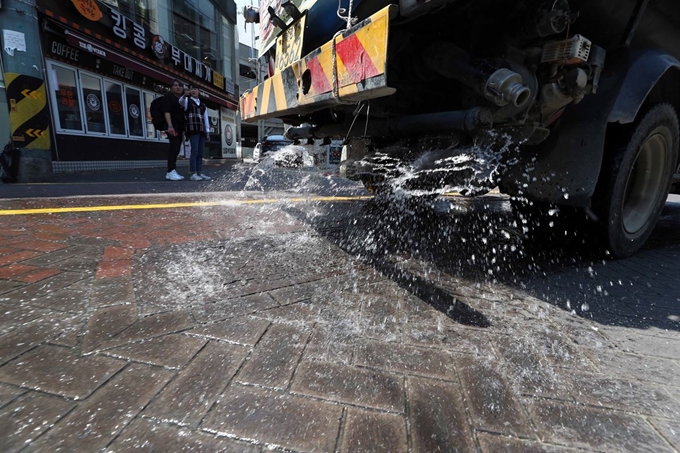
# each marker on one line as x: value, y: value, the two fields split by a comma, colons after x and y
x: 60, y: 371
x: 13, y: 232
x: 373, y: 432
x: 117, y: 253
x: 48, y: 259
x: 7, y: 250
x: 170, y: 351
x: 137, y: 243
x: 39, y: 246
x: 493, y: 403
x: 352, y: 385
x: 151, y: 436
x: 380, y: 316
x: 50, y: 237
x: 632, y: 341
x: 300, y: 313
x: 295, y: 293
x: 111, y: 269
x: 341, y: 311
x: 26, y: 337
x: 9, y: 393
x: 668, y: 429
x: 106, y: 323
x: 151, y: 326
x: 71, y: 299
x: 640, y: 266
x: 55, y: 229
x: 273, y: 282
x: 405, y: 359
x: 330, y: 344
x: 624, y: 394
x: 17, y: 257
x: 243, y: 330
x: 189, y: 396
x: 27, y: 418
x: 97, y: 421
x: 37, y: 275
x: 559, y: 348
x: 275, y: 357
x: 15, y: 270
x: 452, y: 338
x: 110, y: 291
x: 7, y: 286
x: 583, y: 334
x: 79, y: 263
x: 437, y: 417
x: 588, y: 427
x: 72, y: 333
x: 276, y: 419
x: 46, y: 287
x: 531, y: 370
x: 233, y: 307
x: 492, y: 443
x: 13, y: 316
x: 662, y: 316
x: 414, y: 311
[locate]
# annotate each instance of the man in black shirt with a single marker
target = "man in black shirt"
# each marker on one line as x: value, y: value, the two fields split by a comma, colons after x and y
x: 174, y: 116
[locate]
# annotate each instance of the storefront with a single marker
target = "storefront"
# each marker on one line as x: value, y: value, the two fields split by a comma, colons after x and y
x: 102, y: 70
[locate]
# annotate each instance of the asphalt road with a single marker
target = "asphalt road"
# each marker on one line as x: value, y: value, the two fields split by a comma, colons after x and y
x: 228, y: 175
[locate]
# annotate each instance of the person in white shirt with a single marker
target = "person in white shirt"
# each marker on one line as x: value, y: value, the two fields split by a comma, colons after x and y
x: 197, y: 129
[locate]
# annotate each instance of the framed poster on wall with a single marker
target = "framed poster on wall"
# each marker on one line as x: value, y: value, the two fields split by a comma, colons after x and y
x: 228, y: 133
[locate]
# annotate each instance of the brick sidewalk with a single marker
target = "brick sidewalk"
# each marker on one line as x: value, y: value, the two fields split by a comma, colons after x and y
x: 251, y: 328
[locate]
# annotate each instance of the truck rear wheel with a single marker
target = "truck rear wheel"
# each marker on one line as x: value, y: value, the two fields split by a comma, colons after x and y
x: 636, y: 178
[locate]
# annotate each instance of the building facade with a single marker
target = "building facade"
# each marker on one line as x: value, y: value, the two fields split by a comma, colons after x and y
x: 105, y: 61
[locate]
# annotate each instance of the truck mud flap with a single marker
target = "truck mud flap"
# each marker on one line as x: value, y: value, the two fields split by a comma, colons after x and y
x: 351, y: 67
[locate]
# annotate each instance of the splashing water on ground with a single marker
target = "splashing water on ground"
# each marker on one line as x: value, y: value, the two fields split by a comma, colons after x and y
x: 469, y: 170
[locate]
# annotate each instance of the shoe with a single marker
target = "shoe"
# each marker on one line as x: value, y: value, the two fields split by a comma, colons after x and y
x: 196, y: 177
x: 174, y: 176
x: 205, y: 177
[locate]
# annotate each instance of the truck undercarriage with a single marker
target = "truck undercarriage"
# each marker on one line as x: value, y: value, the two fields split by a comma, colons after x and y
x: 469, y: 95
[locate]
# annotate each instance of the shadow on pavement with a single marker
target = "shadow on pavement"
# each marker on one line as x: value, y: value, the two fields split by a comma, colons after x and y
x: 479, y: 240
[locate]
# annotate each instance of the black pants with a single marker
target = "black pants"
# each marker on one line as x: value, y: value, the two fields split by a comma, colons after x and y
x: 173, y: 151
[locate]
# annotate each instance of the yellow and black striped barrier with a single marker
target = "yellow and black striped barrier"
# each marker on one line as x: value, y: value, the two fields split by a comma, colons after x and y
x: 349, y: 68
x: 29, y: 117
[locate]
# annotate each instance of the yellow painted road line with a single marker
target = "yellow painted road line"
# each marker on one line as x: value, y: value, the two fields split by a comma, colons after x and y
x: 176, y: 205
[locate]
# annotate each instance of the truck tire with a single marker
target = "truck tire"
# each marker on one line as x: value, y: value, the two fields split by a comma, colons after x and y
x: 636, y: 178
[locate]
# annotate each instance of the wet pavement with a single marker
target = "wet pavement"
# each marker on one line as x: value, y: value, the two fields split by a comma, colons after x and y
x: 280, y: 319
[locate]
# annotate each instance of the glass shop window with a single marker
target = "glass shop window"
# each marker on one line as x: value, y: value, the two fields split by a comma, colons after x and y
x: 134, y: 109
x: 150, y: 130
x: 115, y: 107
x: 83, y: 102
x: 94, y: 107
x: 66, y: 94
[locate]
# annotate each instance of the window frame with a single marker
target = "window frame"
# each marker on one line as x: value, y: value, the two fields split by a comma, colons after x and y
x: 54, y: 107
x: 102, y: 101
x: 142, y: 111
x: 123, y: 105
x: 55, y: 104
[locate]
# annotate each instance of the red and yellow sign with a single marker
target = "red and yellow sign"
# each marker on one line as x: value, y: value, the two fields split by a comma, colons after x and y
x: 88, y: 9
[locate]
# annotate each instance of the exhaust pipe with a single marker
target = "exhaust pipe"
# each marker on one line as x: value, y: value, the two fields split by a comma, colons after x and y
x: 462, y: 121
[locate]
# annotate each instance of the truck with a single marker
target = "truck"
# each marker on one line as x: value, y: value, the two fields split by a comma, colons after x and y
x: 566, y: 104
